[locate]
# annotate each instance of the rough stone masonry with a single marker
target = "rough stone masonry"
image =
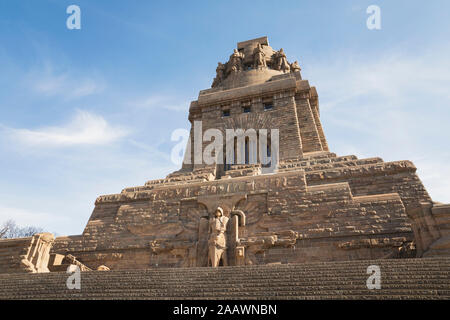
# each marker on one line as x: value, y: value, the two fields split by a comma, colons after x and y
x: 317, y: 206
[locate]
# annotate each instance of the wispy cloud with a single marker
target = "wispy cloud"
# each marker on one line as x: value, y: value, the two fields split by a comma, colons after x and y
x: 84, y: 128
x: 25, y: 217
x: 394, y: 105
x: 67, y: 84
x: 161, y: 101
x: 434, y: 171
x: 395, y: 76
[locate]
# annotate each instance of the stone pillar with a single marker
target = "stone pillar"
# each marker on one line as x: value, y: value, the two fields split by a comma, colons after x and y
x: 39, y: 251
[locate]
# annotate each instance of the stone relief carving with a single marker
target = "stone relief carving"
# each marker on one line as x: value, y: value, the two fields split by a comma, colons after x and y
x: 259, y: 57
x: 220, y: 75
x: 281, y: 62
x: 217, y: 243
x: 38, y: 253
x: 103, y: 268
x: 261, y: 242
x: 254, y: 206
x: 237, y: 252
x: 202, y: 244
x: 222, y: 236
x: 184, y: 250
x: 295, y: 67
x: 70, y: 259
x: 235, y: 63
x: 190, y: 213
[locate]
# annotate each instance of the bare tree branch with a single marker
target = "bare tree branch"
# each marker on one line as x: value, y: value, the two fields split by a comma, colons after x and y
x: 11, y: 230
x: 3, y: 232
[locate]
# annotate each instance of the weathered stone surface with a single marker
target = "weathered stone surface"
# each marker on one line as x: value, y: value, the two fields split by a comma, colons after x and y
x: 59, y: 262
x: 30, y: 254
x: 441, y: 216
x: 315, y: 207
x: 103, y: 268
x: 401, y: 279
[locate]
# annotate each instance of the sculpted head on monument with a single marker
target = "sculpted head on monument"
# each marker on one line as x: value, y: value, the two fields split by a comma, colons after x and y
x: 219, y: 212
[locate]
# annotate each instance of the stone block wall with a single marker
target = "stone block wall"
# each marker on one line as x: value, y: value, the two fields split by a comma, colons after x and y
x: 287, y: 221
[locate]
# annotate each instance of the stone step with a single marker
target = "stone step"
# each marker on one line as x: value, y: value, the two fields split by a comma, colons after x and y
x: 123, y: 281
x: 266, y: 294
x: 400, y: 279
x: 266, y: 274
x: 208, y: 288
x: 348, y: 274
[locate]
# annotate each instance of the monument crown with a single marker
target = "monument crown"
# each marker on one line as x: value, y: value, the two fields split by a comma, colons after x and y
x: 254, y: 61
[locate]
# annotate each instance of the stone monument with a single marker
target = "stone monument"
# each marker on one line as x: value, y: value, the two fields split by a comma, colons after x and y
x: 313, y: 206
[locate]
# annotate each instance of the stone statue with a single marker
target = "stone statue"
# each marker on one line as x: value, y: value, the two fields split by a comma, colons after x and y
x: 281, y: 62
x: 220, y: 75
x: 235, y: 63
x: 259, y: 57
x: 295, y: 67
x: 103, y: 268
x: 217, y: 242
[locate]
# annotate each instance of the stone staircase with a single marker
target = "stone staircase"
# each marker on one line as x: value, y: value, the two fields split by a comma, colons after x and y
x: 400, y: 279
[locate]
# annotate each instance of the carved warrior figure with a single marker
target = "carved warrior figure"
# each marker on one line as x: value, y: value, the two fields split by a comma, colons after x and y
x: 220, y: 75
x: 217, y: 240
x: 295, y: 67
x: 259, y: 57
x: 281, y: 62
x: 235, y: 63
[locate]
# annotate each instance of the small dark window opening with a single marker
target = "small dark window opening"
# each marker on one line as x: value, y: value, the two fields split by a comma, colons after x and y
x: 268, y: 106
x: 226, y: 113
x: 226, y: 166
x: 235, y: 159
x: 247, y: 150
x: 246, y: 109
x: 268, y: 156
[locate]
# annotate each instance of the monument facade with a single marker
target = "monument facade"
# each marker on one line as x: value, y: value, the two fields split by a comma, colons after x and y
x: 310, y: 206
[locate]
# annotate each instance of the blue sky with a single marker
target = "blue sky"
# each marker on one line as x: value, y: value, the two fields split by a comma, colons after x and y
x: 91, y: 111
